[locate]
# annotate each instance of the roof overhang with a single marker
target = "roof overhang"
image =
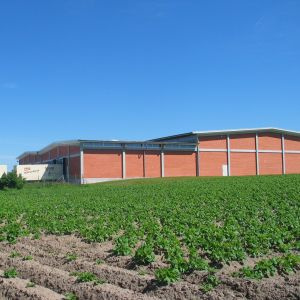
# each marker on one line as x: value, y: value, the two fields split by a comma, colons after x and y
x: 230, y: 132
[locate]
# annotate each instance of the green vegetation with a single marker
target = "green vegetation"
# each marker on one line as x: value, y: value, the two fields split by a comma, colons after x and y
x: 27, y: 257
x: 144, y: 255
x: 167, y: 275
x: 30, y: 284
x: 70, y: 296
x: 14, y: 254
x: 268, y: 267
x: 10, y: 273
x: 99, y: 261
x: 210, y: 282
x: 87, y: 277
x: 192, y: 223
x: 71, y: 257
x: 11, y: 180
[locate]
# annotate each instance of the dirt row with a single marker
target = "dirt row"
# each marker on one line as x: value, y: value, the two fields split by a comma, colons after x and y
x: 50, y: 269
x: 17, y: 288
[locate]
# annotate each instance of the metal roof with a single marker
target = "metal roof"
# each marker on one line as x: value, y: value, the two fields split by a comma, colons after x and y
x: 164, y: 139
x: 230, y: 131
x: 78, y: 142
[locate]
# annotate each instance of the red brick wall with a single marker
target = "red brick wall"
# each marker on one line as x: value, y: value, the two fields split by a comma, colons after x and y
x: 211, y: 163
x: 53, y: 153
x: 292, y: 163
x: 74, y: 150
x: 292, y: 143
x: 63, y: 151
x: 134, y: 164
x: 153, y: 165
x: 270, y: 163
x: 214, y: 142
x: 102, y: 164
x: 242, y: 163
x: 45, y: 156
x: 269, y: 141
x: 242, y: 141
x: 180, y: 164
x: 74, y: 167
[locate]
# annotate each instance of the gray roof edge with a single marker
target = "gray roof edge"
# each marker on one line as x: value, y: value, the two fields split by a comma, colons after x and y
x: 78, y: 142
x: 195, y: 133
x: 50, y: 146
x: 231, y: 131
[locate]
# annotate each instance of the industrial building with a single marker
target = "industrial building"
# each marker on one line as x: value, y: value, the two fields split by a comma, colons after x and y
x: 239, y: 152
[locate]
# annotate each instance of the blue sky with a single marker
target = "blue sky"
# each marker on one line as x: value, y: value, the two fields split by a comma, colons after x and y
x: 138, y: 69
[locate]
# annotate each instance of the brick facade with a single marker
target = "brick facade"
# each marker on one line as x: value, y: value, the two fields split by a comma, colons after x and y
x: 239, y: 157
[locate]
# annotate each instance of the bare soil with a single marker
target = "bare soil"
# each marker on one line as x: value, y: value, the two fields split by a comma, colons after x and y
x: 51, y: 271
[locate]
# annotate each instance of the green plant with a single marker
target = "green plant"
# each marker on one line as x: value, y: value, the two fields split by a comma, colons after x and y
x: 191, y: 223
x: 70, y: 296
x: 268, y: 267
x: 3, y: 181
x: 87, y: 277
x: 14, y: 181
x: 210, y: 282
x: 99, y: 261
x: 10, y: 273
x: 167, y: 275
x: 14, y: 254
x: 144, y: 255
x: 27, y: 257
x: 71, y: 257
x: 30, y: 284
x: 122, y: 247
x: 142, y: 272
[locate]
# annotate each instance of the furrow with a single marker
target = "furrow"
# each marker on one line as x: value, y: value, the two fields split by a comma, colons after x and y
x: 61, y: 282
x: 117, y: 276
x: 17, y: 288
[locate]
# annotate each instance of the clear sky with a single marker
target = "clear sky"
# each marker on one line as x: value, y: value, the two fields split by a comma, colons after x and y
x: 139, y: 69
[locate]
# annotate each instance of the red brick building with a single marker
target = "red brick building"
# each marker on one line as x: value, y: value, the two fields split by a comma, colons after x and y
x: 211, y: 153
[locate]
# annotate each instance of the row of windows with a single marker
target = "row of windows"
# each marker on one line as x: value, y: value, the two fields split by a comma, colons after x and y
x: 138, y: 146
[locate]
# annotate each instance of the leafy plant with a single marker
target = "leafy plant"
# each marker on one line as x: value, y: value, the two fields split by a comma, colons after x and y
x: 167, y: 275
x: 87, y: 277
x: 268, y: 267
x: 210, y: 282
x: 191, y: 223
x: 144, y: 255
x: 14, y: 254
x: 70, y: 296
x: 71, y: 257
x: 30, y: 284
x: 99, y: 261
x: 122, y: 247
x: 27, y: 257
x: 10, y: 273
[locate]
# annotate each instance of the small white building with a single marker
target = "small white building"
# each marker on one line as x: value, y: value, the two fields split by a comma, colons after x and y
x: 40, y: 172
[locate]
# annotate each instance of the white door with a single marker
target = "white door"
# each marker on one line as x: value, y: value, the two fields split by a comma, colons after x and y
x: 225, y: 170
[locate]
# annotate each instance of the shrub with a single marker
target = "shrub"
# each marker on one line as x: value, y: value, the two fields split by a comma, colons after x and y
x: 3, y: 181
x: 12, y: 181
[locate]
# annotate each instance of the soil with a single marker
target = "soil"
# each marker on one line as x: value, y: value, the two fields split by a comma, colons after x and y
x: 52, y: 265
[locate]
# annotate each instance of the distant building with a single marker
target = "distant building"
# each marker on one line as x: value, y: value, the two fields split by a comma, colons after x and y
x: 3, y: 169
x: 239, y: 152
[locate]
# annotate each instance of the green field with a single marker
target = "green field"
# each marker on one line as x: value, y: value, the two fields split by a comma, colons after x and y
x: 194, y: 223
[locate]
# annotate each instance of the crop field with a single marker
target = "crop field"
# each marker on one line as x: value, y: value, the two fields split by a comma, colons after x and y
x: 183, y: 238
